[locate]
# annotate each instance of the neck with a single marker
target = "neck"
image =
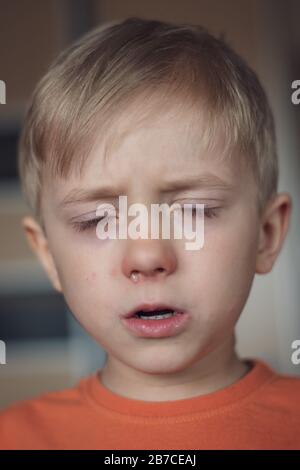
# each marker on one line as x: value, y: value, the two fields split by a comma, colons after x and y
x: 218, y: 369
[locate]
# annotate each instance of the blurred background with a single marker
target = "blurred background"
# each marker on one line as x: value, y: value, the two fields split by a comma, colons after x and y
x: 45, y: 347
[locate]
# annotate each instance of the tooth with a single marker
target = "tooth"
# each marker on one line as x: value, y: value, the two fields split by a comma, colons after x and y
x: 157, y: 317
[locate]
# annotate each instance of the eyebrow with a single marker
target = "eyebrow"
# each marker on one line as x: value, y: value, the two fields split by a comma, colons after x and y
x: 206, y: 181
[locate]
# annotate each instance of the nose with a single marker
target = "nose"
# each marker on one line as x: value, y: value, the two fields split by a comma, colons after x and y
x: 148, y: 259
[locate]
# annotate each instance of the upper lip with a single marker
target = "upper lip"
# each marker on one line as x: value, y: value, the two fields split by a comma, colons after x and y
x: 147, y: 307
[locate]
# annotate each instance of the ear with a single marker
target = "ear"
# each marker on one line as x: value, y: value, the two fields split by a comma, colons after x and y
x: 39, y: 244
x: 273, y: 229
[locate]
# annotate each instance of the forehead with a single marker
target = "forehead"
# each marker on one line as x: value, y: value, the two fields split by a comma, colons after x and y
x: 159, y: 141
x: 150, y: 143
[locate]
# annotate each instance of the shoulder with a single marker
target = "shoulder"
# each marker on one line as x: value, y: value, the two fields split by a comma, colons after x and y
x: 280, y: 394
x: 285, y: 390
x: 23, y: 421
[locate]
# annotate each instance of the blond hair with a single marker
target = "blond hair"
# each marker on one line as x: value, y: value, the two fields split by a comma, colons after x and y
x: 113, y: 65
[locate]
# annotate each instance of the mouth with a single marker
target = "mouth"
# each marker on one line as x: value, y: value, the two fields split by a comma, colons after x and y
x: 149, y: 311
x: 156, y: 320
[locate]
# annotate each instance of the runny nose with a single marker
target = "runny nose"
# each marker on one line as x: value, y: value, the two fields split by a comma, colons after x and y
x: 146, y: 259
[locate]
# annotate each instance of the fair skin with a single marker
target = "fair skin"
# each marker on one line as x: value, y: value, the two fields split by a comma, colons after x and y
x: 212, y: 284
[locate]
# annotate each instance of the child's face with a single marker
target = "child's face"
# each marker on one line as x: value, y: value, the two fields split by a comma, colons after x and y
x: 212, y: 283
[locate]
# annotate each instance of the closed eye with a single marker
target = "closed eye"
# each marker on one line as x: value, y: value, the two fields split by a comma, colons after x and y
x: 209, y: 212
x: 87, y: 224
x: 80, y: 226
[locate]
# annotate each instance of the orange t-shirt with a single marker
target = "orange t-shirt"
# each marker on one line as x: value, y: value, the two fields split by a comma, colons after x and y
x: 260, y: 411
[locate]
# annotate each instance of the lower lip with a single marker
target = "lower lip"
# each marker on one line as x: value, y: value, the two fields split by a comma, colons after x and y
x: 157, y: 328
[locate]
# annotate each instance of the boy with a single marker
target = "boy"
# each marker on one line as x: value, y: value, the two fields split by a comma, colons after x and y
x: 161, y: 113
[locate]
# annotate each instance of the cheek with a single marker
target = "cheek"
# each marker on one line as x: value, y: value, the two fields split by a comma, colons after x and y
x: 114, y: 272
x: 233, y: 245
x: 80, y: 275
x: 79, y: 261
x: 92, y: 277
x: 221, y: 272
x: 85, y: 278
x: 89, y: 298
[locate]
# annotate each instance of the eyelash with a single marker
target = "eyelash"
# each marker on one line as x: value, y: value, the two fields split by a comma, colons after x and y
x: 210, y: 213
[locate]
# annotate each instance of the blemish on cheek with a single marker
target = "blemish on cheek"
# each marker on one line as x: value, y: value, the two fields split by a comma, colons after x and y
x: 113, y: 272
x: 91, y: 277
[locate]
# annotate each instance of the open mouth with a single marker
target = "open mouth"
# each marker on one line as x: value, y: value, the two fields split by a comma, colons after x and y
x: 154, y: 312
x: 149, y: 320
x: 158, y: 314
